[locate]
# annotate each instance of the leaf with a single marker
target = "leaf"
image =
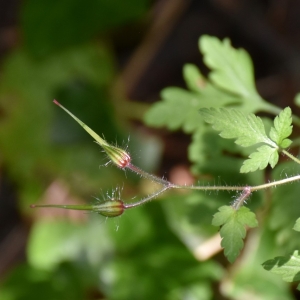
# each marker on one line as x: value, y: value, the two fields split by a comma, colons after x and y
x: 193, y: 78
x: 232, y: 68
x: 288, y: 267
x: 179, y: 108
x: 297, y: 225
x: 233, y: 124
x: 282, y: 128
x: 259, y: 160
x: 232, y: 71
x: 233, y: 230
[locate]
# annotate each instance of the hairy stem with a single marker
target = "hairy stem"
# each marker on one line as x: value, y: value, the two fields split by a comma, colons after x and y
x: 149, y: 176
x: 239, y: 188
x: 292, y: 157
x: 147, y: 199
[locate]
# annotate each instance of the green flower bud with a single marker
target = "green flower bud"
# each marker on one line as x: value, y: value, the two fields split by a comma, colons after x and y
x: 110, y: 208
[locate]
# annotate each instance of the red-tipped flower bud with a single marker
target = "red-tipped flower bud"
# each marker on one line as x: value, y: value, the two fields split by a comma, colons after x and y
x: 110, y: 208
x: 117, y: 155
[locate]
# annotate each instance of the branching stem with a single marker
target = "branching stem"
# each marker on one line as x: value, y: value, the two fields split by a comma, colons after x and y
x: 147, y: 199
x: 122, y: 159
x: 168, y: 185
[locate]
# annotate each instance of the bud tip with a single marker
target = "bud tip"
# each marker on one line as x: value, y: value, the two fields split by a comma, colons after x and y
x: 56, y: 102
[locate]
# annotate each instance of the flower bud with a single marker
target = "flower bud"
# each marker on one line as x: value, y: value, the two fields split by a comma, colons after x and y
x: 110, y: 208
x: 117, y: 155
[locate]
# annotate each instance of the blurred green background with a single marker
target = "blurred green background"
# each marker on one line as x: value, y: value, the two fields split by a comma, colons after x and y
x: 106, y: 61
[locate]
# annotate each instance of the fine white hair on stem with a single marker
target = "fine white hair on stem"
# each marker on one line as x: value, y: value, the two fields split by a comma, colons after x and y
x: 245, y: 194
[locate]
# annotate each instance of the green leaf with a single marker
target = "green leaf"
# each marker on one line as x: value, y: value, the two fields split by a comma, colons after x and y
x: 179, y: 108
x: 233, y: 230
x: 193, y: 78
x: 297, y: 225
x: 285, y: 143
x: 232, y: 68
x: 232, y: 71
x: 234, y: 124
x: 288, y: 267
x: 282, y: 128
x: 259, y: 160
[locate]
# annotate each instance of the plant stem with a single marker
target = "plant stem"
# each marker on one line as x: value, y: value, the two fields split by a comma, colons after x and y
x: 238, y: 188
x: 75, y: 207
x: 147, y: 199
x: 168, y: 185
x: 295, y: 159
x: 149, y: 176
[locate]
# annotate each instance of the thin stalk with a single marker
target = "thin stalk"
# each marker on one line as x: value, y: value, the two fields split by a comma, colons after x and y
x: 149, y: 176
x: 239, y: 188
x: 292, y: 157
x: 250, y: 189
x: 146, y: 199
x: 75, y: 207
x: 208, y: 188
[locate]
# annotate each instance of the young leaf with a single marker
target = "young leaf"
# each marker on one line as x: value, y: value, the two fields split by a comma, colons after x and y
x: 259, y: 160
x: 282, y: 128
x: 288, y: 267
x: 233, y: 230
x: 233, y: 124
x: 232, y: 68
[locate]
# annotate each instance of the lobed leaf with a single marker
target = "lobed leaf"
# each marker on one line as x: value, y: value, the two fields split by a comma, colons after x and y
x: 288, y: 267
x: 259, y: 160
x: 177, y: 109
x: 233, y: 230
x: 232, y: 68
x: 282, y: 128
x: 180, y: 108
x: 234, y: 124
